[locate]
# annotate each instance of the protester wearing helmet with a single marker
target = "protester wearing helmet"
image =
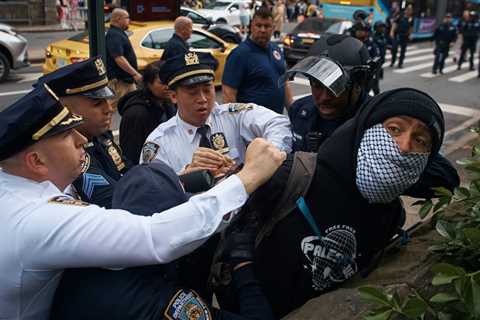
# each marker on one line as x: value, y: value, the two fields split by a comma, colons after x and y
x: 316, y: 116
x: 351, y: 208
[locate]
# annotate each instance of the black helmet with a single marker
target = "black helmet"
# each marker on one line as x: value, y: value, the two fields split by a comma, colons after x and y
x: 361, y: 25
x: 360, y: 15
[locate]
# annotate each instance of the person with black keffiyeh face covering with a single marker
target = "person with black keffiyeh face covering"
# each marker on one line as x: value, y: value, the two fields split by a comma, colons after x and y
x: 390, y: 148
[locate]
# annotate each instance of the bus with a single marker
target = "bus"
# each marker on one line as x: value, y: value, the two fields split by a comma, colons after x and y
x: 426, y: 12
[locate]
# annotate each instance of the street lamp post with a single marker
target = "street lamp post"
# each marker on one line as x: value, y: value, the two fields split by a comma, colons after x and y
x: 96, y: 29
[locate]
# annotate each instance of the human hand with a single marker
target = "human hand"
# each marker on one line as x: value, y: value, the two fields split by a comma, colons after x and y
x: 209, y: 159
x: 262, y: 159
x: 138, y: 78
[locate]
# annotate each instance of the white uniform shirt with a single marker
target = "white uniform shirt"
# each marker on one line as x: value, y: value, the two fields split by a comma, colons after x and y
x: 39, y: 237
x: 175, y: 141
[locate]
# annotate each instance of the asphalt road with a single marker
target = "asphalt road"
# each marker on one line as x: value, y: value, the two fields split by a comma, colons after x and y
x: 456, y: 91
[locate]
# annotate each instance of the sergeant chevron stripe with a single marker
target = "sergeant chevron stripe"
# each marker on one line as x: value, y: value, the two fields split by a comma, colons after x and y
x: 90, y: 181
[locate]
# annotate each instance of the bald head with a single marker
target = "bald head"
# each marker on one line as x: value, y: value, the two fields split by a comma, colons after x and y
x: 120, y: 18
x: 183, y: 27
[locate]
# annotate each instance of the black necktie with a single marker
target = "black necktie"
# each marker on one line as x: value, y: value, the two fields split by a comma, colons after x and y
x: 204, y: 142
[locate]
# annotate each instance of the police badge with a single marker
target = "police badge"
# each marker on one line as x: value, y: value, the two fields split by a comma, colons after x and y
x: 149, y: 151
x: 219, y: 142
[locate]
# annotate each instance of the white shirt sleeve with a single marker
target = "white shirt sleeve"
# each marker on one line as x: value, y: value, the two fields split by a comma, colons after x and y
x: 265, y: 123
x: 56, y: 235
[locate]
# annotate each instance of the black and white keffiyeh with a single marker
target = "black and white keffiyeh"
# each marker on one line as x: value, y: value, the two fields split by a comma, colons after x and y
x: 383, y: 172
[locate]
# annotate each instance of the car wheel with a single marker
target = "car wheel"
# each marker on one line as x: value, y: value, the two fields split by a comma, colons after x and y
x: 221, y: 20
x: 4, y: 67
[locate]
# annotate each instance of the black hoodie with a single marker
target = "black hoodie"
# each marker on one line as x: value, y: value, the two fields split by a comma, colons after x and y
x: 141, y: 114
x: 293, y: 263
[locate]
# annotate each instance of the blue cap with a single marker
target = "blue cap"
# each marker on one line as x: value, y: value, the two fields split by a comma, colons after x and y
x: 187, y: 69
x: 87, y: 78
x: 35, y: 116
x: 149, y: 188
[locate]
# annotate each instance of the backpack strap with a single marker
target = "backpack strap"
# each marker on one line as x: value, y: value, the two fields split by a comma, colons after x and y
x: 298, y: 183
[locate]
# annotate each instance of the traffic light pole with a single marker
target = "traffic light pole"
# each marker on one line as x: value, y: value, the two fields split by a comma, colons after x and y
x: 96, y: 29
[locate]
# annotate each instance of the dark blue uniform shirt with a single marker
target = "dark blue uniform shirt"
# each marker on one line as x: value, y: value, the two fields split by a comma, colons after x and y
x: 254, y: 71
x: 174, y: 47
x: 118, y: 44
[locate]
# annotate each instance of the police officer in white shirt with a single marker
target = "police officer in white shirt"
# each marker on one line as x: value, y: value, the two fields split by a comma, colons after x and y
x: 43, y: 231
x: 203, y: 134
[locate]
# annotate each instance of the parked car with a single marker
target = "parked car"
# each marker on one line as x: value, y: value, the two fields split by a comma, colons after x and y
x: 297, y: 43
x: 224, y: 31
x: 148, y: 40
x: 224, y: 11
x: 13, y: 50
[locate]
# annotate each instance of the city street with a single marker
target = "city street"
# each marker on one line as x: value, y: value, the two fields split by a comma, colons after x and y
x: 456, y: 91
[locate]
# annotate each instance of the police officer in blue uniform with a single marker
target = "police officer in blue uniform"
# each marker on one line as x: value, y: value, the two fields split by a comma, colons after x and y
x: 380, y: 39
x: 470, y: 30
x: 401, y: 30
x: 82, y: 87
x: 315, y: 117
x: 445, y: 36
x: 157, y: 292
x: 361, y: 30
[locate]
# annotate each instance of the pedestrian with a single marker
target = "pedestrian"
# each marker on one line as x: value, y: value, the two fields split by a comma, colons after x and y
x: 203, y: 134
x: 159, y: 291
x: 142, y: 111
x: 177, y: 44
x: 82, y: 87
x: 46, y: 231
x: 244, y: 17
x: 348, y: 209
x: 361, y: 30
x: 401, y: 33
x: 315, y: 117
x: 278, y: 13
x: 463, y: 20
x: 470, y: 31
x: 444, y: 36
x: 380, y: 39
x: 253, y: 68
x: 121, y: 59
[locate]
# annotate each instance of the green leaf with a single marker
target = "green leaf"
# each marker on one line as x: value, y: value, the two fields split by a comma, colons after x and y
x: 462, y: 192
x: 380, y: 316
x: 375, y: 296
x: 446, y: 273
x: 445, y: 229
x: 414, y: 308
x: 473, y: 235
x: 425, y: 209
x: 443, y: 298
x: 475, y: 297
x: 440, y: 203
x: 444, y: 316
x: 437, y: 247
x: 442, y: 191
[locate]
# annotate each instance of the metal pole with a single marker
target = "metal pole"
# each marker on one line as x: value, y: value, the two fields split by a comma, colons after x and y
x: 96, y: 29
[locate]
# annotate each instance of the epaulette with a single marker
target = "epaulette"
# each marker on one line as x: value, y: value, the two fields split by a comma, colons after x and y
x: 238, y: 107
x: 164, y: 128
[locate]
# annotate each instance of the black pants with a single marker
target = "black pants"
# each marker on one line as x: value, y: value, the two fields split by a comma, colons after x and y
x: 441, y: 53
x: 396, y: 42
x: 470, y: 46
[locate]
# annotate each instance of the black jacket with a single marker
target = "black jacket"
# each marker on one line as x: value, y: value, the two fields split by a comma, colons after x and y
x: 174, y: 47
x: 141, y: 114
x: 293, y: 263
x: 445, y: 34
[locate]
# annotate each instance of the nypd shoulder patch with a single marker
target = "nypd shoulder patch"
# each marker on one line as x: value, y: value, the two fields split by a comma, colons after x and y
x: 149, y: 151
x: 186, y: 305
x: 68, y: 201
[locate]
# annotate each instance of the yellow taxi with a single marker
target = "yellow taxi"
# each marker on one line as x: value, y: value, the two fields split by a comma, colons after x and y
x: 148, y: 40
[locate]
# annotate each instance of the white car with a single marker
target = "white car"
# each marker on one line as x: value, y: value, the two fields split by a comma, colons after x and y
x: 13, y: 50
x: 225, y: 11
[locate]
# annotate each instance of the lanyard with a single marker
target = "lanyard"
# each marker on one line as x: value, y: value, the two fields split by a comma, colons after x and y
x: 302, y: 205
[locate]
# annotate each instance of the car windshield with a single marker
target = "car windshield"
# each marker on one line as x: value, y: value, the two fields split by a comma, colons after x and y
x: 217, y: 5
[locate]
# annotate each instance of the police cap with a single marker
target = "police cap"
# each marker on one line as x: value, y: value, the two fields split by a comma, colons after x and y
x: 35, y: 116
x: 87, y: 78
x: 187, y: 69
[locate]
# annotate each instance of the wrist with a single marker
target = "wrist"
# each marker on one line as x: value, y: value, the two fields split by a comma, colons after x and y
x: 248, y: 181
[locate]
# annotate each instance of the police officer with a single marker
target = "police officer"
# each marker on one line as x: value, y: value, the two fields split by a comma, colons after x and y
x: 400, y: 33
x: 445, y: 36
x: 82, y: 87
x: 361, y: 31
x: 44, y: 231
x: 203, y: 134
x: 178, y: 44
x: 157, y: 292
x: 380, y: 39
x: 469, y: 30
x: 315, y: 117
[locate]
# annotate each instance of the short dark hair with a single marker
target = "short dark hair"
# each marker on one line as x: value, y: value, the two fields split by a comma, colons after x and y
x: 262, y: 13
x: 150, y: 73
